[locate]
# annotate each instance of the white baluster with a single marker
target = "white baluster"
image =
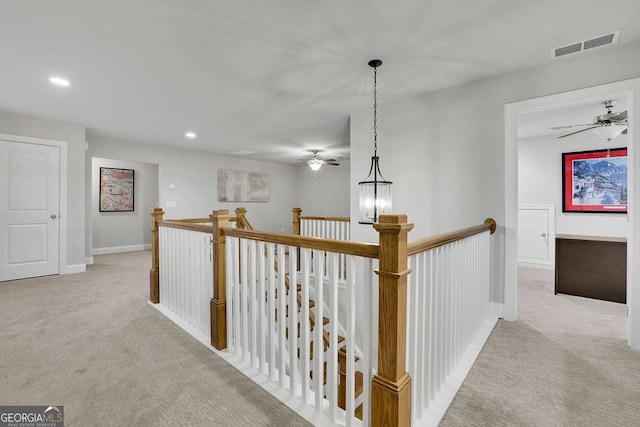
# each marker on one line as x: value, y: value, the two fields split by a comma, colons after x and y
x: 271, y: 311
x: 262, y: 295
x: 293, y: 320
x: 332, y: 354
x: 282, y: 304
x: 304, y: 323
x: 318, y: 336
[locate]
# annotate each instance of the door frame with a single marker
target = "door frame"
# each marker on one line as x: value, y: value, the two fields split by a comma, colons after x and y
x: 629, y: 89
x: 62, y: 216
x: 551, y: 237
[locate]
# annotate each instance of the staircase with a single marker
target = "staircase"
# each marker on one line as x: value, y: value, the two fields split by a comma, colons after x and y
x: 342, y: 352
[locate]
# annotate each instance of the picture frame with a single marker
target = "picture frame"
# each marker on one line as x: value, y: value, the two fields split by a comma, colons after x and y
x: 117, y: 190
x: 595, y: 181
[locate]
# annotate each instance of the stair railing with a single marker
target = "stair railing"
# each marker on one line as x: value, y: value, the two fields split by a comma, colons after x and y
x: 448, y: 313
x: 324, y: 227
x: 255, y: 310
x: 271, y: 316
x: 183, y: 272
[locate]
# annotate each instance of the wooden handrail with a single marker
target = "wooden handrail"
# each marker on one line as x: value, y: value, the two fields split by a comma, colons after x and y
x: 366, y: 250
x: 327, y: 218
x: 445, y: 238
x: 198, y: 220
x: 190, y: 220
x: 186, y: 226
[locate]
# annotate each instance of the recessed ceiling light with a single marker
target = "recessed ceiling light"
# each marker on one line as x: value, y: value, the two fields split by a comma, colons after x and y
x: 190, y: 135
x: 59, y: 81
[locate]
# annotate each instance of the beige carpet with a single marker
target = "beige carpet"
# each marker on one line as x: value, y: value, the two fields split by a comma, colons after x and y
x: 91, y: 342
x: 565, y: 362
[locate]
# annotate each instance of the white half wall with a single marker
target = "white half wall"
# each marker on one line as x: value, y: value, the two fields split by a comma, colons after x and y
x: 194, y: 179
x: 121, y: 231
x: 540, y: 182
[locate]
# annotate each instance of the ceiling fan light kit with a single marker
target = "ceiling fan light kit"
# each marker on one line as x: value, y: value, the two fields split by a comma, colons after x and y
x: 375, y: 191
x: 315, y: 164
x: 610, y: 131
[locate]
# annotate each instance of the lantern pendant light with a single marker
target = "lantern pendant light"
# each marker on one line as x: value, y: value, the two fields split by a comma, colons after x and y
x: 375, y: 191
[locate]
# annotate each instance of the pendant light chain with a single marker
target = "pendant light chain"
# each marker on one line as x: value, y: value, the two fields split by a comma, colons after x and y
x: 375, y: 111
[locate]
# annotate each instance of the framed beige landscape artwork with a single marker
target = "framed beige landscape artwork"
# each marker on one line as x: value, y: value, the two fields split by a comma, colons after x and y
x: 241, y: 186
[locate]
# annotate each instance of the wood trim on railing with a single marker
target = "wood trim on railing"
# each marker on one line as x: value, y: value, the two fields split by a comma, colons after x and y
x: 154, y: 273
x: 218, y: 305
x: 187, y: 226
x: 326, y: 218
x: 391, y: 385
x: 445, y: 238
x: 191, y: 220
x: 367, y: 250
x: 296, y: 221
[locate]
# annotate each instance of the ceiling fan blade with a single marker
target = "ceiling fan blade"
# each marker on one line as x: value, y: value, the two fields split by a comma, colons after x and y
x: 581, y: 130
x: 332, y: 163
x: 568, y: 126
x: 619, y: 117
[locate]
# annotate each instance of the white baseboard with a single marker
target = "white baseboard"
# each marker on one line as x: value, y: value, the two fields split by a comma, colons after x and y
x: 549, y: 267
x: 89, y: 260
x: 75, y: 268
x: 119, y: 249
x: 496, y: 309
x: 448, y: 390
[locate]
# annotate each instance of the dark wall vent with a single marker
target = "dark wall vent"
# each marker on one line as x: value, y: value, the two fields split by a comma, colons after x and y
x: 599, y: 41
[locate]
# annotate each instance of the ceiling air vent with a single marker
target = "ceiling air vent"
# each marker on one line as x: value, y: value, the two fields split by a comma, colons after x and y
x: 599, y: 41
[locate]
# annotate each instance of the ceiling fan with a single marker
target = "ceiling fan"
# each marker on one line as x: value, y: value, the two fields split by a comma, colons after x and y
x: 606, y: 126
x: 315, y: 163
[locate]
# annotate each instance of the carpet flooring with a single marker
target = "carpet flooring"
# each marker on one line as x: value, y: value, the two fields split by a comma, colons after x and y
x: 564, y: 362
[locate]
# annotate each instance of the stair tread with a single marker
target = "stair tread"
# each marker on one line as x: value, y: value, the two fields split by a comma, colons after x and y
x: 343, y: 350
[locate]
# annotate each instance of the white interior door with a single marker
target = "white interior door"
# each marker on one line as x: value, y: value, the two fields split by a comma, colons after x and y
x: 536, y: 234
x: 29, y: 210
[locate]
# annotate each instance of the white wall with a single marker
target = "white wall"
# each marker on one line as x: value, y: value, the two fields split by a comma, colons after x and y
x: 195, y: 176
x: 121, y: 231
x: 324, y: 192
x: 74, y: 135
x: 540, y: 182
x: 445, y: 151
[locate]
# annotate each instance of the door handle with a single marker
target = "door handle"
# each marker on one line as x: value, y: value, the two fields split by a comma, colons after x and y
x: 54, y: 216
x: 543, y: 234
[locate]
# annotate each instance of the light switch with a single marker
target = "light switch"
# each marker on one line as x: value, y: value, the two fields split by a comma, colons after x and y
x: 172, y: 186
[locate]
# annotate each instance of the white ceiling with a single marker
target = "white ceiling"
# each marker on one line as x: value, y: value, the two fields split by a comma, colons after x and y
x: 278, y: 77
x: 538, y: 124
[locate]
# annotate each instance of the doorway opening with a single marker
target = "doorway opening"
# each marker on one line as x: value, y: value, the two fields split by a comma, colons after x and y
x: 626, y: 91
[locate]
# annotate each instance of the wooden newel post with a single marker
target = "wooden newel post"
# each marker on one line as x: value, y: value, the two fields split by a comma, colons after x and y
x: 296, y: 229
x: 154, y: 273
x: 218, y: 305
x: 296, y: 220
x: 391, y: 385
x: 240, y: 215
